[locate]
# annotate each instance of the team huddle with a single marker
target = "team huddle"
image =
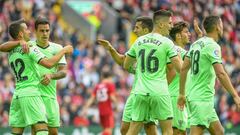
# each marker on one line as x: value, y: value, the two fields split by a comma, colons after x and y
x: 172, y: 88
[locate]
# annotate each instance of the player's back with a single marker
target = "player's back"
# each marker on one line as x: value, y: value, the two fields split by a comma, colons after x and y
x: 23, y: 67
x: 203, y: 54
x: 152, y: 51
x: 103, y: 92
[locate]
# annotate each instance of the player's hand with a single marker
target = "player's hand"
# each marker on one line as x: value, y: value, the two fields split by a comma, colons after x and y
x: 24, y: 46
x: 46, y: 79
x: 106, y: 44
x: 181, y: 102
x: 68, y: 49
x: 237, y: 102
x: 196, y: 28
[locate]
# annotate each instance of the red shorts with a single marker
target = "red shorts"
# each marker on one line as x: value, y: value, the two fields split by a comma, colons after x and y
x: 107, y: 121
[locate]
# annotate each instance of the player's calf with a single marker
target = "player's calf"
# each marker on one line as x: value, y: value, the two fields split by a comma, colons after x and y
x: 53, y: 131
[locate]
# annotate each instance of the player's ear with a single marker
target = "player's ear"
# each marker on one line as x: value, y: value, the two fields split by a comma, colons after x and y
x: 145, y: 30
x: 178, y: 36
x: 20, y: 35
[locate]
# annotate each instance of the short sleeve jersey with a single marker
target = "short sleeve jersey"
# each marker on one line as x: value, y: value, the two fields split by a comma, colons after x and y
x: 151, y: 52
x: 26, y: 74
x: 49, y: 51
x: 203, y: 54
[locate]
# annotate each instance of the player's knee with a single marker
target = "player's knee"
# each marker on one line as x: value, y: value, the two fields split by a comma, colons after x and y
x: 220, y: 131
x: 167, y: 132
x: 17, y: 131
x: 124, y: 129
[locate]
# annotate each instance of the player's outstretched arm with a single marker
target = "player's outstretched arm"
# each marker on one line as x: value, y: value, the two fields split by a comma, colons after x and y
x: 183, y: 76
x: 225, y: 81
x: 50, y: 62
x: 117, y: 57
x: 8, y: 46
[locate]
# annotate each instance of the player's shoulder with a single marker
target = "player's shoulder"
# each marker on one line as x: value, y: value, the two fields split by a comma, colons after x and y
x: 31, y: 43
x: 52, y: 44
x: 179, y: 49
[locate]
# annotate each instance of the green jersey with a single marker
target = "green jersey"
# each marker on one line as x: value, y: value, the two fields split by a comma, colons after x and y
x: 151, y: 52
x: 174, y: 85
x: 49, y: 51
x: 203, y: 54
x: 25, y: 71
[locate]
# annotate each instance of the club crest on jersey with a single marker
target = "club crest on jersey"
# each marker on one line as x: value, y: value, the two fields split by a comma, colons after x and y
x: 216, y: 53
x: 36, y: 50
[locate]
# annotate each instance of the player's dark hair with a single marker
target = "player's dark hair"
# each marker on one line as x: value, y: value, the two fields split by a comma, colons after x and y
x: 146, y: 22
x: 15, y: 27
x: 106, y: 74
x: 41, y: 20
x: 210, y: 22
x: 178, y: 28
x: 161, y: 14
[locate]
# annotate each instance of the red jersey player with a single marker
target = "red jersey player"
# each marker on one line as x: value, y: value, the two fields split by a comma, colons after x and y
x: 104, y: 93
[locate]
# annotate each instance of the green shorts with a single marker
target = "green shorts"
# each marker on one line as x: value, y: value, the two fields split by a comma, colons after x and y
x: 52, y: 109
x: 180, y: 118
x: 25, y: 111
x: 202, y: 113
x: 151, y: 108
x: 127, y: 112
x: 128, y: 109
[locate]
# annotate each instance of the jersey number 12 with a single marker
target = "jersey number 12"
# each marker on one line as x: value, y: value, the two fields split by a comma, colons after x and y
x: 18, y: 74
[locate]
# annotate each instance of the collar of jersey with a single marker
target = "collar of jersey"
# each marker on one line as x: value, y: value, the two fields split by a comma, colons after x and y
x: 43, y: 47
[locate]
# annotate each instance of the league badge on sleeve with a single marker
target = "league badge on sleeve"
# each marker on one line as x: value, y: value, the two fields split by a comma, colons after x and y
x: 216, y: 53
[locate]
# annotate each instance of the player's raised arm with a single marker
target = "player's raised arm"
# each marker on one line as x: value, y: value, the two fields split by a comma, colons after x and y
x: 8, y: 46
x: 50, y: 62
x: 197, y: 28
x: 117, y: 57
